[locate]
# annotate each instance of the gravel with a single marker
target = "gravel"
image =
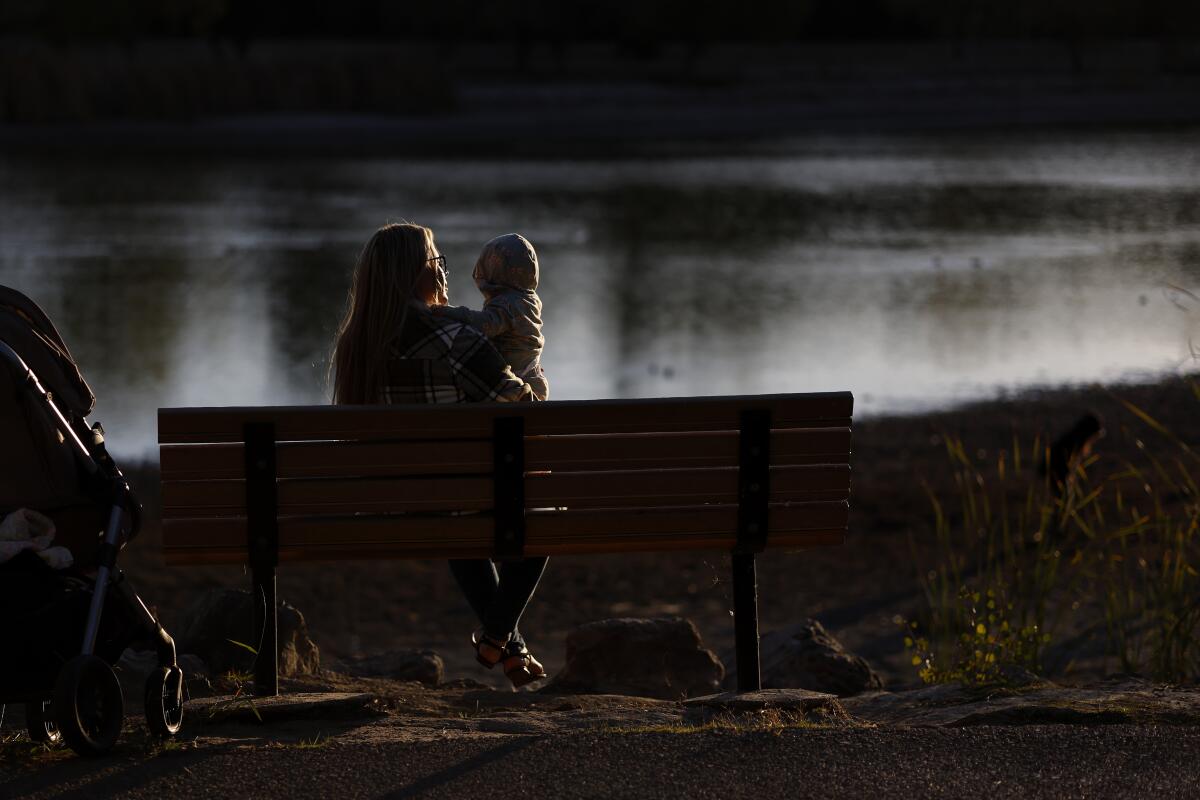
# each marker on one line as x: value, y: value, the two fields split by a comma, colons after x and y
x: 993, y: 762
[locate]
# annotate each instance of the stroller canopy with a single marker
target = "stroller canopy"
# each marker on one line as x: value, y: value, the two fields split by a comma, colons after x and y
x: 39, y: 469
x: 27, y: 329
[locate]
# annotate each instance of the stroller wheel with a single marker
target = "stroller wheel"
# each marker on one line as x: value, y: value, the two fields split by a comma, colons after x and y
x: 40, y: 723
x: 88, y: 706
x: 164, y: 701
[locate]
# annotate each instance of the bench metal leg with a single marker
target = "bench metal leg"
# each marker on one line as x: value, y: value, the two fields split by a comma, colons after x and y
x: 745, y: 622
x: 266, y: 632
x: 262, y: 543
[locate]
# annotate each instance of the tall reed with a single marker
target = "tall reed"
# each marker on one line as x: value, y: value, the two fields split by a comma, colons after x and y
x: 1014, y: 552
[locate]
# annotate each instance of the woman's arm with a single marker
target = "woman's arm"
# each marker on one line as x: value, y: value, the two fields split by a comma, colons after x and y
x: 481, y: 372
x: 492, y: 321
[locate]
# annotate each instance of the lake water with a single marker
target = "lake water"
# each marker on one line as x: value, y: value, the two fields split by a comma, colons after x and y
x: 917, y: 272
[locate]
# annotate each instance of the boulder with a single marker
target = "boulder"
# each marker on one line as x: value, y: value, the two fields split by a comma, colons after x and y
x: 806, y: 656
x: 662, y: 657
x: 423, y: 666
x: 217, y: 628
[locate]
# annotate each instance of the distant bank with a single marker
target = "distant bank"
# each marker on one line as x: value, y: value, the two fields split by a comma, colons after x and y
x: 327, y: 97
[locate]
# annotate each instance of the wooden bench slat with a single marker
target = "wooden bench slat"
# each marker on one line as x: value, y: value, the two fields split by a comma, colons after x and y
x: 679, y: 450
x: 378, y: 551
x: 548, y: 532
x: 330, y: 459
x: 560, y: 453
x: 680, y: 487
x: 371, y: 495
x: 615, y: 488
x: 468, y: 420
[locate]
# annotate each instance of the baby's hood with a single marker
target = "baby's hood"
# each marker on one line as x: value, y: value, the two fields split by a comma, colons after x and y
x: 507, y: 262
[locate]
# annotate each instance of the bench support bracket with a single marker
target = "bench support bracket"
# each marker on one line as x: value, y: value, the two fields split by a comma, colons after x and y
x: 508, y: 487
x: 754, y: 492
x: 262, y: 532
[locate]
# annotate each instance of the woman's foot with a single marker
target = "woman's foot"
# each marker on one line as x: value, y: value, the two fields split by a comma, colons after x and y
x: 489, y: 651
x: 520, y: 666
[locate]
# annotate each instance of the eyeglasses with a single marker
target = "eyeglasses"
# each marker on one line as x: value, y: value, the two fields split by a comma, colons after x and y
x: 439, y: 261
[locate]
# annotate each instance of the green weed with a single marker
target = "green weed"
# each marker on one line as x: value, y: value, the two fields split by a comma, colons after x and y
x: 315, y: 743
x: 998, y: 558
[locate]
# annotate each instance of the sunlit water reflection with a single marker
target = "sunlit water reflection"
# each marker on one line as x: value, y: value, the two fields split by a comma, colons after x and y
x: 916, y: 272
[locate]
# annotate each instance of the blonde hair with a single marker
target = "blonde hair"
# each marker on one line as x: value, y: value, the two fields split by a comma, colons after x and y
x: 385, y: 275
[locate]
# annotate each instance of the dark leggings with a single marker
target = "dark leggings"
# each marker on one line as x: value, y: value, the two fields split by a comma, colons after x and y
x: 498, y: 598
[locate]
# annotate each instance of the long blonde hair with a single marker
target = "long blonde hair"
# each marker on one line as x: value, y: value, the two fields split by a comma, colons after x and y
x: 387, y: 271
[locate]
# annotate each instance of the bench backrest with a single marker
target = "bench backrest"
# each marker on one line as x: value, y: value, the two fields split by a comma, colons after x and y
x: 479, y: 480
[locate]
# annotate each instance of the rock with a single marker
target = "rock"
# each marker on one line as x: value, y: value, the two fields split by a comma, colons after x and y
x: 1122, y: 702
x: 805, y: 656
x: 304, y: 707
x: 423, y: 666
x: 661, y: 658
x: 223, y: 616
x: 1015, y: 676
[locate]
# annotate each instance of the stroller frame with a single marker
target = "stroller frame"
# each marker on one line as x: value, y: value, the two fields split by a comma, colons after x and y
x: 89, y: 676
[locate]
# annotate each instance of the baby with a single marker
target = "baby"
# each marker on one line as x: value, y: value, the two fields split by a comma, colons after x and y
x: 507, y: 275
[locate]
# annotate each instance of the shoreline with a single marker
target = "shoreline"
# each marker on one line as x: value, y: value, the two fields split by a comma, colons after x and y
x: 543, y: 133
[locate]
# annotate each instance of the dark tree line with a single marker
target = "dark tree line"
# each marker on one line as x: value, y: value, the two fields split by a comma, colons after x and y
x: 633, y: 23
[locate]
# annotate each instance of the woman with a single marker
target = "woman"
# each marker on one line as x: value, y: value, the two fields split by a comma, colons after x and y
x: 392, y: 349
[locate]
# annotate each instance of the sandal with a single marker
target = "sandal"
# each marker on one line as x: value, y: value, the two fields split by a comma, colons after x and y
x: 488, y: 651
x: 521, y: 667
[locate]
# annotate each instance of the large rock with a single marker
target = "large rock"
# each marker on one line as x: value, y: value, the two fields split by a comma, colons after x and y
x: 217, y: 625
x: 661, y: 658
x: 806, y: 656
x: 423, y: 666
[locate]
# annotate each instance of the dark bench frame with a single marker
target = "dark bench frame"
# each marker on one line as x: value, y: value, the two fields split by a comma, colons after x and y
x: 259, y: 430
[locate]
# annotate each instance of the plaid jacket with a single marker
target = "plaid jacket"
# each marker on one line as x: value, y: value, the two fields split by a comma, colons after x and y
x: 439, y: 360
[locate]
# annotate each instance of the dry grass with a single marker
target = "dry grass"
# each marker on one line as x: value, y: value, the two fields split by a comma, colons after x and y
x: 767, y: 720
x: 1018, y: 552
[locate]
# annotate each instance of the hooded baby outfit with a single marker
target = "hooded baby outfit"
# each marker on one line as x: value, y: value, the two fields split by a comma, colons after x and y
x: 507, y: 276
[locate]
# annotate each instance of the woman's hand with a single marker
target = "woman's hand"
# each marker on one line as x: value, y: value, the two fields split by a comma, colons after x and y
x: 441, y: 294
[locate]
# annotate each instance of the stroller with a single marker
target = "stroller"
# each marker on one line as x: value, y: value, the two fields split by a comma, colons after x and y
x: 62, y: 630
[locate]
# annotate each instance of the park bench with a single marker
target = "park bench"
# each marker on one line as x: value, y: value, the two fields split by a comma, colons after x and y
x: 263, y: 485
